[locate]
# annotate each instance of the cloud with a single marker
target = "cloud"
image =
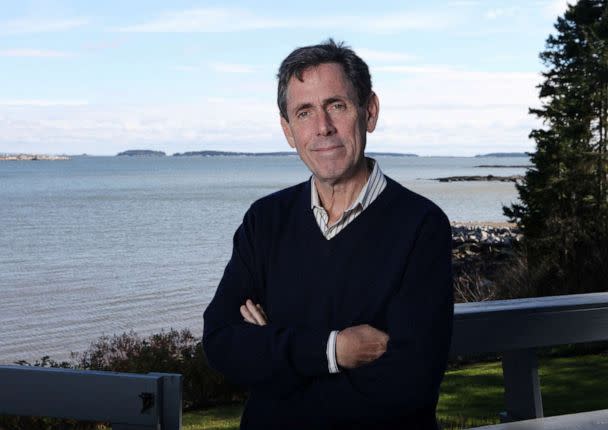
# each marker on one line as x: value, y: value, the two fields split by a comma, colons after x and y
x: 218, y: 66
x: 556, y: 8
x: 225, y: 20
x: 463, y: 3
x: 34, y: 53
x: 76, y: 128
x: 372, y: 55
x: 427, y: 109
x: 42, y: 102
x: 448, y: 110
x: 501, y: 12
x: 232, y: 67
x: 182, y: 68
x: 32, y: 25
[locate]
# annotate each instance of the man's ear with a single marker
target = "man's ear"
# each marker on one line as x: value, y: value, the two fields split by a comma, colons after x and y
x: 372, y: 111
x: 287, y: 132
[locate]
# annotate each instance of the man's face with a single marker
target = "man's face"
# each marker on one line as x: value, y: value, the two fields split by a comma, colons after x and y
x: 326, y: 124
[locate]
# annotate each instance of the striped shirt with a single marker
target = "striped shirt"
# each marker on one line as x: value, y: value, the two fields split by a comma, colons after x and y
x: 371, y: 190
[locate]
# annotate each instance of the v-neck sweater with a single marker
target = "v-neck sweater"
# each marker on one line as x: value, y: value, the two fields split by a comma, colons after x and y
x: 389, y: 268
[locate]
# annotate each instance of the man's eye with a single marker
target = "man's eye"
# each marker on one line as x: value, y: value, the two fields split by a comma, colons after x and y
x: 302, y: 114
x: 338, y: 106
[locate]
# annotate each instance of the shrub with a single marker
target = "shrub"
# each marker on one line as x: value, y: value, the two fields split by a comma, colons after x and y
x: 172, y: 351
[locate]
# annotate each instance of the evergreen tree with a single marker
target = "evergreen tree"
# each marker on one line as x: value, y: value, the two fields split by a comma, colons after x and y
x: 564, y: 208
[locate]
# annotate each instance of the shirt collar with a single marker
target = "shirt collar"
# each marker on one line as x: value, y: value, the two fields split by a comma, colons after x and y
x: 362, y: 199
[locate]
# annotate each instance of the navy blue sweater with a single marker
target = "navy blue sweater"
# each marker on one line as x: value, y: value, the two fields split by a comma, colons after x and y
x: 390, y: 268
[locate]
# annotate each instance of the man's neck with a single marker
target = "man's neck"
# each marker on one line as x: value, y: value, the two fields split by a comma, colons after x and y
x: 339, y: 196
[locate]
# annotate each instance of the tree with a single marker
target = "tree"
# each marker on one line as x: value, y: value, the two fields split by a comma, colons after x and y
x: 563, y: 209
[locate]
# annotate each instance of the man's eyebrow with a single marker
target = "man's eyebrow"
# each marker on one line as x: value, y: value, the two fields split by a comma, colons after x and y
x: 302, y: 106
x: 325, y: 102
x: 333, y: 99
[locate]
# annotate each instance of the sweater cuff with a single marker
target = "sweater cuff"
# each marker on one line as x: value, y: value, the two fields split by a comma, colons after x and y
x: 308, y: 352
x: 332, y: 362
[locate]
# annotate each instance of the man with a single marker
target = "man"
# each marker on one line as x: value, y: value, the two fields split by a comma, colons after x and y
x: 336, y: 306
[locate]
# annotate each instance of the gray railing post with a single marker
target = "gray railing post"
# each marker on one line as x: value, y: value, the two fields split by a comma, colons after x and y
x: 171, y: 392
x: 523, y: 398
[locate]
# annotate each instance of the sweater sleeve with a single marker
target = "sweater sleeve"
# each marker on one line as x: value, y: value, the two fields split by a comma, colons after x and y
x: 406, y: 378
x: 270, y: 357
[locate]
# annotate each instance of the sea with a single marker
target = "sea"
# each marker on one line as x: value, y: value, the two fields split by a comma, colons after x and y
x: 96, y: 246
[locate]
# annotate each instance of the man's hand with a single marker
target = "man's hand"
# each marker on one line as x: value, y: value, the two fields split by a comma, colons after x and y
x: 253, y: 313
x: 359, y: 345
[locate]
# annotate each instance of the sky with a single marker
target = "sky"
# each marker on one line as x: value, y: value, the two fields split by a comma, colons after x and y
x: 454, y: 77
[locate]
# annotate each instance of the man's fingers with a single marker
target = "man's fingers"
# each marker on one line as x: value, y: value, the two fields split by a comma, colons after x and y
x: 262, y: 312
x: 247, y: 315
x: 255, y: 312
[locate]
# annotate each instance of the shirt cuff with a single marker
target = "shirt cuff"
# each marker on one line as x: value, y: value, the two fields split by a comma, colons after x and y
x: 331, y: 353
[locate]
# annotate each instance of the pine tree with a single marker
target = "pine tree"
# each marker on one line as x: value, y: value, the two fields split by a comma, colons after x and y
x: 563, y: 209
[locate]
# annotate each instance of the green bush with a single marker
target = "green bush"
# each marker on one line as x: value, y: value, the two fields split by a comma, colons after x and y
x: 167, y: 352
x: 170, y: 351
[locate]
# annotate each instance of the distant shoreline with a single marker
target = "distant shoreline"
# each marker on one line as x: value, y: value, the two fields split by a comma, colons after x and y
x: 33, y: 157
x: 207, y: 153
x: 144, y: 153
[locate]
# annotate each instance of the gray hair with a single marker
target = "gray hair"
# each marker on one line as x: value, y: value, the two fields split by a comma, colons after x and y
x: 329, y: 51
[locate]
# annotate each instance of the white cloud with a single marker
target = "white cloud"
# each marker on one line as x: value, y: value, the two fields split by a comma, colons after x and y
x: 232, y: 67
x: 436, y: 110
x: 94, y: 129
x: 42, y: 103
x: 32, y: 25
x: 34, y: 53
x: 430, y: 110
x: 372, y: 55
x: 501, y: 12
x: 557, y: 8
x: 463, y: 3
x: 186, y: 68
x: 212, y: 20
x: 224, y: 20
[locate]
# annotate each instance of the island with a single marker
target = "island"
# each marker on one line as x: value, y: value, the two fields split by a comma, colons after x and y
x: 141, y: 153
x: 32, y: 157
x: 503, y: 154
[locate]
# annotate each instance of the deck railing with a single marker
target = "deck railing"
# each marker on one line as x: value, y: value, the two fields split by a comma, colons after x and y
x: 516, y: 328
x: 512, y: 328
x: 127, y: 401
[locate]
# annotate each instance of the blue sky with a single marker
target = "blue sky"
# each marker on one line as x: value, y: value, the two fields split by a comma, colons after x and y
x: 453, y: 77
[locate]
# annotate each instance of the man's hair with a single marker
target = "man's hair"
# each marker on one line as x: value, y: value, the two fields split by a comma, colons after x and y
x: 329, y: 51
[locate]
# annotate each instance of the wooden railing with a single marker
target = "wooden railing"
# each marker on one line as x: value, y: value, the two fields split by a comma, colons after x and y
x: 516, y: 328
x: 127, y: 401
x: 512, y: 328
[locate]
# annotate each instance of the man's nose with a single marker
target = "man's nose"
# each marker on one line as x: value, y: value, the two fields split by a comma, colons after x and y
x: 325, y: 125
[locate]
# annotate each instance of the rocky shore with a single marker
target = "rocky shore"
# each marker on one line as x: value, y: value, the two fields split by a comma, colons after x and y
x: 481, y: 253
x: 484, y: 234
x: 32, y: 157
x: 512, y: 178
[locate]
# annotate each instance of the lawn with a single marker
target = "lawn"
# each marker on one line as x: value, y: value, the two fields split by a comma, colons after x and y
x: 473, y: 395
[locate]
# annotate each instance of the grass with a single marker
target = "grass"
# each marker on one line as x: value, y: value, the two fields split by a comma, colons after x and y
x: 219, y: 418
x: 473, y: 395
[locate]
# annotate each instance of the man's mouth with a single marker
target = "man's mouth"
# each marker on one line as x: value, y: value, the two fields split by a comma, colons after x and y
x: 327, y: 148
